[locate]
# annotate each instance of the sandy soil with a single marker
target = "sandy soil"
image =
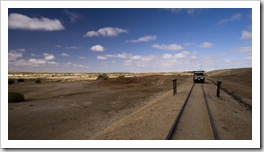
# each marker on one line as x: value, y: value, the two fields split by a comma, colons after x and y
x: 130, y: 108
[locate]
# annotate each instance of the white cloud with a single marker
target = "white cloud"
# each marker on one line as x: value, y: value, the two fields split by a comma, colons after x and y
x: 136, y: 57
x: 143, y: 39
x: 227, y: 20
x: 40, y: 64
x: 245, y: 49
x: 147, y: 58
x: 183, y: 54
x: 246, y: 35
x: 167, y: 56
x: 58, y: 46
x: 70, y: 64
x: 48, y: 56
x: 37, y: 62
x: 52, y: 62
x: 71, y: 47
x: 65, y: 54
x: 72, y: 15
x: 167, y: 46
x: 19, y: 21
x: 190, y: 11
x: 128, y: 62
x: 130, y: 59
x: 21, y: 50
x: 97, y: 48
x: 119, y: 56
x: 100, y: 57
x: 122, y: 56
x: 139, y: 61
x: 206, y: 45
x: 106, y: 32
x: 15, y: 54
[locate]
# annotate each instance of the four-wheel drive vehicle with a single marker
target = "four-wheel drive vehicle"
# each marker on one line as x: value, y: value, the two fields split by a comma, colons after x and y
x: 198, y: 76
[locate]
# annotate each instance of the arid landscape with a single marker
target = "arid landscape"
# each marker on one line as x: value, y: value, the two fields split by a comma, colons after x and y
x: 131, y: 106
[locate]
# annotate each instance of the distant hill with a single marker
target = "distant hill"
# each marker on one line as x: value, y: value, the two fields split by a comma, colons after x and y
x: 240, y: 75
x: 230, y: 72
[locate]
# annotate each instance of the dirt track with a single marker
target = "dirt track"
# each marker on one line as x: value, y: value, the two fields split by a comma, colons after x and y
x: 130, y: 108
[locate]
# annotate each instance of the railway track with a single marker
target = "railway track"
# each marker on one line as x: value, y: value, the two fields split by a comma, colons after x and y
x: 194, y: 121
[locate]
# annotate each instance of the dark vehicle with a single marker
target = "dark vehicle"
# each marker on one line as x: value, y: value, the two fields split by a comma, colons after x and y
x: 198, y: 76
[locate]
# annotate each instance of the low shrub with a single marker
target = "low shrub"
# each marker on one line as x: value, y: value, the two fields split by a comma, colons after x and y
x: 15, y: 97
x: 103, y: 76
x: 11, y: 81
x: 38, y: 81
x: 20, y: 80
x: 121, y: 76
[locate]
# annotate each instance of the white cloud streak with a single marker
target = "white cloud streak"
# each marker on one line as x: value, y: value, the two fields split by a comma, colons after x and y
x: 71, y: 47
x: 246, y: 35
x: 206, y: 45
x: 70, y: 64
x: 227, y: 20
x: 58, y: 46
x: 189, y: 11
x: 245, y: 49
x: 65, y: 54
x: 72, y: 15
x: 176, y: 56
x: 97, y: 48
x: 167, y: 46
x: 106, y: 32
x: 23, y: 22
x: 119, y: 56
x: 143, y: 39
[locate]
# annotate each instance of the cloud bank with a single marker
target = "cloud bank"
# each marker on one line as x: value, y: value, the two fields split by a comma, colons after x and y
x: 23, y: 22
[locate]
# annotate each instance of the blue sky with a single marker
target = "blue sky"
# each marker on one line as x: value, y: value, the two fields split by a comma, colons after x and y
x: 128, y: 40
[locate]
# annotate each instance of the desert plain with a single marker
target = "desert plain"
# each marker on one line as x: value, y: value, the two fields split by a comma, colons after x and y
x: 129, y: 106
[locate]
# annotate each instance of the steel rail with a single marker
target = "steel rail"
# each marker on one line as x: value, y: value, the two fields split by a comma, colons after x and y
x: 210, y: 116
x: 174, y: 126
x: 178, y: 117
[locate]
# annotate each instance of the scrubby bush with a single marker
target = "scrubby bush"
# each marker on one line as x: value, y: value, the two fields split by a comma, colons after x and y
x: 38, y: 81
x: 20, y: 80
x: 15, y: 97
x: 103, y: 76
x: 121, y: 76
x: 11, y: 81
